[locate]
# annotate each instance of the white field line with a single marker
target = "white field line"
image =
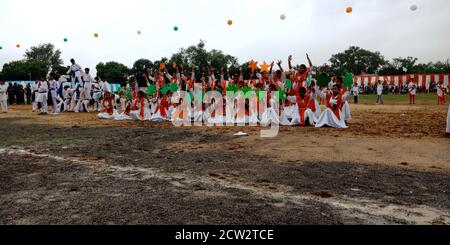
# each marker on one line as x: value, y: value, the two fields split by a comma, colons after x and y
x: 364, y: 208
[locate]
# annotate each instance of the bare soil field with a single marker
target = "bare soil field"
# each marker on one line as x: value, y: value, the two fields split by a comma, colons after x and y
x: 392, y: 166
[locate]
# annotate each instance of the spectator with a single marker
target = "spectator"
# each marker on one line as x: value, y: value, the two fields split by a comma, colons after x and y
x: 380, y: 92
x: 11, y: 96
x: 28, y: 93
x: 20, y: 95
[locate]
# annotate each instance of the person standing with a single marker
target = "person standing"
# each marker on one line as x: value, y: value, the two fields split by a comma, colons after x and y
x: 355, y: 91
x: 412, y: 89
x: 42, y: 96
x: 28, y: 93
x: 10, y: 94
x: 440, y: 89
x: 380, y: 92
x: 3, y: 96
x: 53, y: 87
x: 75, y: 72
x: 34, y: 96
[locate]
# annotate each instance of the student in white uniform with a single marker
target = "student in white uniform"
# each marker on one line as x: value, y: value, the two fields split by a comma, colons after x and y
x: 75, y: 72
x: 3, y: 96
x: 34, y: 95
x: 96, y: 95
x: 63, y: 80
x: 85, y: 91
x: 53, y: 86
x: 67, y: 94
x: 42, y: 96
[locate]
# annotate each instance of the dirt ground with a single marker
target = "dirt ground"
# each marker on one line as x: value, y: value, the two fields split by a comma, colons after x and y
x: 392, y: 166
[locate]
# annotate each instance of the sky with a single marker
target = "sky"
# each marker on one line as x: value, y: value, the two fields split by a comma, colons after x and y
x: 318, y: 27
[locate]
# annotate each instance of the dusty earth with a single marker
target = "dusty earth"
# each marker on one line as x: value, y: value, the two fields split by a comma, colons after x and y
x: 392, y: 166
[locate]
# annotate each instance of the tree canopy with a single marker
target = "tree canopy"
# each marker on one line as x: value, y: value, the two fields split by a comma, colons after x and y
x: 41, y: 59
x: 357, y: 61
x: 45, y: 53
x: 24, y: 70
x: 112, y: 71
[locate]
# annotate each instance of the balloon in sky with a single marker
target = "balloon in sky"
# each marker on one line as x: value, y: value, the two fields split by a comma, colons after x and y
x: 139, y: 32
x: 349, y: 10
x: 65, y: 39
x: 17, y: 45
x: 1, y: 47
x: 175, y: 28
x: 413, y: 7
x: 96, y: 34
x: 283, y: 17
x: 230, y: 22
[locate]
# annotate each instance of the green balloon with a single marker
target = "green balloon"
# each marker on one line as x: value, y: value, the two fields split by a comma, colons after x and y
x: 65, y: 40
x: 175, y: 28
x: 1, y: 47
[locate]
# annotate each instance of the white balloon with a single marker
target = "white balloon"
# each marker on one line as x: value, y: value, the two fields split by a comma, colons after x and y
x: 413, y: 7
x: 282, y: 17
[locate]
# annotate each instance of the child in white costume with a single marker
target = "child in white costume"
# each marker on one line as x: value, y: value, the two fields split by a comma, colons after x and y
x: 3, y: 96
x: 142, y: 110
x: 42, y: 96
x: 333, y: 116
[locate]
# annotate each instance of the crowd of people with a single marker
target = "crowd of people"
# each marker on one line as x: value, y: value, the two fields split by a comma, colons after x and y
x: 284, y: 97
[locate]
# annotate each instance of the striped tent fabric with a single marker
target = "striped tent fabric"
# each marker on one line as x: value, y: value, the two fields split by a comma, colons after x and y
x: 421, y: 80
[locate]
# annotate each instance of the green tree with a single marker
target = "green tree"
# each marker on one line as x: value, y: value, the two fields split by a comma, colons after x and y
x: 357, y: 60
x: 45, y: 53
x: 140, y: 66
x: 24, y: 70
x: 203, y: 59
x: 112, y: 71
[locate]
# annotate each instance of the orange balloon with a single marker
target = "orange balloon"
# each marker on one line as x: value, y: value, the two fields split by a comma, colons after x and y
x: 230, y: 22
x: 95, y: 34
x: 349, y: 10
x: 17, y: 45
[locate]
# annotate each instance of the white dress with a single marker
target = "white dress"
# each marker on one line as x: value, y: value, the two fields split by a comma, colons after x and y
x: 346, y: 111
x: 309, y: 115
x: 106, y: 116
x: 328, y: 118
x: 135, y: 115
x: 270, y: 116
